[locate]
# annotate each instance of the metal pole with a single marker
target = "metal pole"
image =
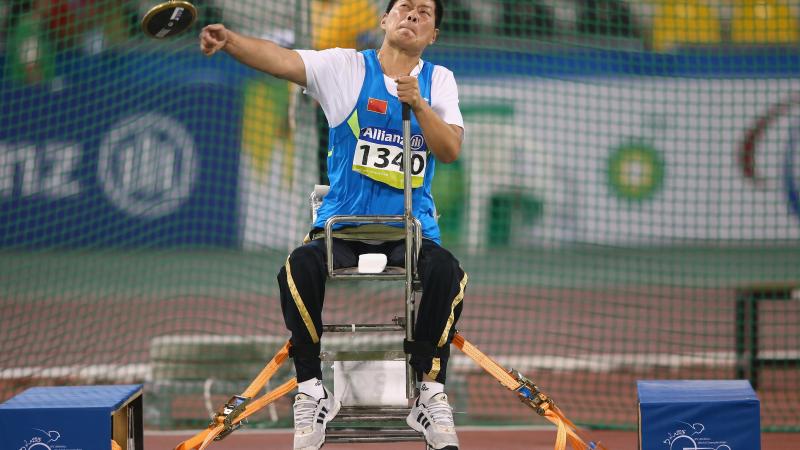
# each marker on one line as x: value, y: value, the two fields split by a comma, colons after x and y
x: 408, y: 221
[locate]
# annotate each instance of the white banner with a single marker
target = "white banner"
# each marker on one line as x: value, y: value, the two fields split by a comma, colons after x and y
x: 636, y: 161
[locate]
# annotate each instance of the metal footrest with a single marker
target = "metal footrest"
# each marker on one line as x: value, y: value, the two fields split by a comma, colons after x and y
x: 371, y: 424
x: 357, y: 435
x: 360, y: 414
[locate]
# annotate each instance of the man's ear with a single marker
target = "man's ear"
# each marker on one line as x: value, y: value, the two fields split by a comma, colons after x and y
x: 435, y: 35
x: 383, y: 21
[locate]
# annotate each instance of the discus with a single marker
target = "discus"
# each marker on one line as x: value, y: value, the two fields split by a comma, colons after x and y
x: 169, y: 18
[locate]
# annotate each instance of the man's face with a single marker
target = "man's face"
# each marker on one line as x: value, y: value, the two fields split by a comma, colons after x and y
x: 411, y: 24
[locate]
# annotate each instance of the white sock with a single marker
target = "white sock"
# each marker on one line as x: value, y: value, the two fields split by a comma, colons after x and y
x: 312, y: 387
x: 428, y: 389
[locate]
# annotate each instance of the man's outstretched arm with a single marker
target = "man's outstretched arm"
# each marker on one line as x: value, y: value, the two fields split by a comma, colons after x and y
x: 259, y: 54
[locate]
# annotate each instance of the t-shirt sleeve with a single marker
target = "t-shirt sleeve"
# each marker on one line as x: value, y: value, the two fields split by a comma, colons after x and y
x: 334, y: 78
x: 444, y: 96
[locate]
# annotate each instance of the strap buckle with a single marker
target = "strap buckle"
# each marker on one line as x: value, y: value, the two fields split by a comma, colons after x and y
x: 530, y: 394
x: 228, y: 413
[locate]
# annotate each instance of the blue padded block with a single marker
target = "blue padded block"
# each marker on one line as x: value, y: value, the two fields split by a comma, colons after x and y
x: 698, y: 414
x: 66, y: 417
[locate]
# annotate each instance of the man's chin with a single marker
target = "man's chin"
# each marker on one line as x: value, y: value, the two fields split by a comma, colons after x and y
x: 408, y: 42
x: 405, y: 33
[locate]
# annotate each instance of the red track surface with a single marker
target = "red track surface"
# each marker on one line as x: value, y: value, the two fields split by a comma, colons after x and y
x: 471, y: 439
x: 635, y: 320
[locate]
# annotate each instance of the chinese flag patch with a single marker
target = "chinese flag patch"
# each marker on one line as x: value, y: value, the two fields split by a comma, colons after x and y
x: 377, y: 106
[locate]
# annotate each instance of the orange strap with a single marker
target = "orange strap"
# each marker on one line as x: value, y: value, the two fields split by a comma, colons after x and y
x: 268, y: 371
x: 566, y: 430
x: 204, y: 438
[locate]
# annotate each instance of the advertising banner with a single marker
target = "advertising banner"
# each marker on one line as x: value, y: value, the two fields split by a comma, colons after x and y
x: 635, y: 161
x: 133, y: 164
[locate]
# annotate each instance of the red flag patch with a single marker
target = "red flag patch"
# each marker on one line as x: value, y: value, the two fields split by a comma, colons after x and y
x: 377, y: 106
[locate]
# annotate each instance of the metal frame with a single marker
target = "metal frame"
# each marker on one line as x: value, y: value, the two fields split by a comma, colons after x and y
x: 408, y: 273
x: 413, y: 242
x: 390, y: 273
x: 748, y: 359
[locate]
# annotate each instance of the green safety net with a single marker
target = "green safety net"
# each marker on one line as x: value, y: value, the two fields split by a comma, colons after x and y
x: 626, y: 202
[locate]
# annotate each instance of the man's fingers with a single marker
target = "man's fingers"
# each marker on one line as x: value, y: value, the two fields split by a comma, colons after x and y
x: 406, y: 84
x: 212, y: 38
x: 408, y: 90
x: 405, y: 80
x: 207, y: 45
x: 213, y: 27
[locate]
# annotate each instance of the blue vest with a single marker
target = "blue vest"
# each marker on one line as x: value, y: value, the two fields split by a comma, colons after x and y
x: 363, y: 160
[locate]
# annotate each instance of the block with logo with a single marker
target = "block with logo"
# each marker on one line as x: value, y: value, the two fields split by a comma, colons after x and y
x: 73, y: 417
x: 698, y: 414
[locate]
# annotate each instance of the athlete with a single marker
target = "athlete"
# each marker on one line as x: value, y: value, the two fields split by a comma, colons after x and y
x: 361, y: 94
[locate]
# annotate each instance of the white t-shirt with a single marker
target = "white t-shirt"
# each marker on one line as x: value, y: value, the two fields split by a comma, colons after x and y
x: 335, y: 76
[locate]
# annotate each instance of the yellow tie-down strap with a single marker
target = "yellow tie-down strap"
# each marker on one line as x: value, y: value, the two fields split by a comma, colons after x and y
x: 531, y: 396
x: 231, y: 416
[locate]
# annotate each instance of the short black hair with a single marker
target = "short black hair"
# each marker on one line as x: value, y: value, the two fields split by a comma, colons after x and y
x: 438, y: 11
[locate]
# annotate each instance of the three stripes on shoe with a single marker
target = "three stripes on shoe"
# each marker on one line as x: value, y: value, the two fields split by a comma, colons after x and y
x: 421, y: 419
x: 321, y: 416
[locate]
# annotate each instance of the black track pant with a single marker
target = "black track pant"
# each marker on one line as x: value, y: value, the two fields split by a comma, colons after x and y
x: 302, y: 286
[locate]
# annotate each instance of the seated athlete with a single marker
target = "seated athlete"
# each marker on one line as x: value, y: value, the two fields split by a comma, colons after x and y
x: 361, y: 94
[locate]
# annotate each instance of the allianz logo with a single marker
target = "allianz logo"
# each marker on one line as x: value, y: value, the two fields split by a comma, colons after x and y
x: 147, y: 166
x: 392, y: 137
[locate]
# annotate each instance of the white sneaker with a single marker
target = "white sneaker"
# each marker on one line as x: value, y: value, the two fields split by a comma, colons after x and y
x: 435, y: 421
x: 311, y: 416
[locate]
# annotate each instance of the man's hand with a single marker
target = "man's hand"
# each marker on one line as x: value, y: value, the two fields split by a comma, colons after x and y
x: 443, y: 139
x: 213, y: 38
x: 408, y: 91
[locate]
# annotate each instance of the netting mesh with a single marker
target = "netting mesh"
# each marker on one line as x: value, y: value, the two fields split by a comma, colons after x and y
x: 626, y: 203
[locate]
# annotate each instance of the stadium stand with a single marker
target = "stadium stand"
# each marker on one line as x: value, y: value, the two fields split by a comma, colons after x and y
x: 679, y: 23
x: 763, y: 22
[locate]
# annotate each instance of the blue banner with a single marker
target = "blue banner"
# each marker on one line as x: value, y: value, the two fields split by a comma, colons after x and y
x: 140, y: 162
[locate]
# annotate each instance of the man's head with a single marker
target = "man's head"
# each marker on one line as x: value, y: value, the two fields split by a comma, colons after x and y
x: 438, y: 10
x: 412, y: 24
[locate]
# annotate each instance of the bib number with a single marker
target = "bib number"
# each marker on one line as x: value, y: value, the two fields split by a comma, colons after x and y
x: 383, y: 162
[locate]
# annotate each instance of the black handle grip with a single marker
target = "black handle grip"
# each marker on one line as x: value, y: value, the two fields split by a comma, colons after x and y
x: 406, y: 111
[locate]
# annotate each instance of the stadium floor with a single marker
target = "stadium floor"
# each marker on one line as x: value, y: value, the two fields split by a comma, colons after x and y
x: 470, y: 439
